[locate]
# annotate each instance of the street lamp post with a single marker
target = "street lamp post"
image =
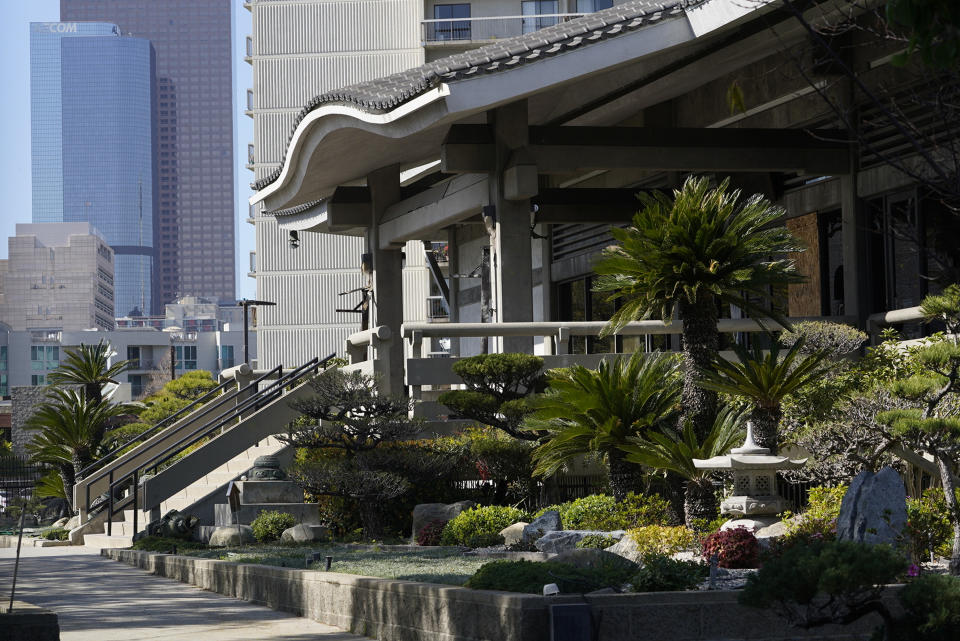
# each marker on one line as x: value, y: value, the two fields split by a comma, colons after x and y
x: 246, y: 304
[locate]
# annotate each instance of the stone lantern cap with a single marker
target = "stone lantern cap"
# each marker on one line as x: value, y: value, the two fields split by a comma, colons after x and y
x: 750, y: 456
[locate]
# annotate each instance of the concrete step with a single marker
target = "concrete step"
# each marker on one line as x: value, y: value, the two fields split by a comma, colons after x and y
x: 101, y: 541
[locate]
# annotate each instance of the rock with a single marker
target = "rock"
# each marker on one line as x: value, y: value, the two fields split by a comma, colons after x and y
x: 72, y: 523
x: 593, y: 559
x: 60, y: 522
x: 512, y: 533
x: 563, y: 540
x: 173, y: 524
x: 228, y: 536
x: 874, y: 509
x: 549, y: 522
x: 627, y: 548
x: 772, y: 531
x: 426, y: 512
x: 303, y: 533
x: 753, y: 524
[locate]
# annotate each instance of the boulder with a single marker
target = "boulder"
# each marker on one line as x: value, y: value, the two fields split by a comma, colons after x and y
x: 174, y: 525
x: 549, y: 522
x: 229, y: 536
x: 772, y: 531
x: 874, y: 509
x: 563, y: 540
x: 754, y: 524
x: 627, y: 548
x: 512, y: 533
x: 593, y: 559
x: 303, y: 533
x: 426, y: 512
x: 72, y: 523
x: 60, y: 522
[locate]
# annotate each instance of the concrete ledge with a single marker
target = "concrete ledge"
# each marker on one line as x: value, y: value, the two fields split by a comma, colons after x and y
x: 10, y: 541
x: 28, y: 623
x: 392, y: 610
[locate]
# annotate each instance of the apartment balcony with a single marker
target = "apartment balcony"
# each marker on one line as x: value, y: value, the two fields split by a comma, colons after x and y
x: 453, y: 32
x: 437, y: 311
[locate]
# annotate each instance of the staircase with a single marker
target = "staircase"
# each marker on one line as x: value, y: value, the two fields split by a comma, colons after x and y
x: 235, y: 426
x: 210, y: 486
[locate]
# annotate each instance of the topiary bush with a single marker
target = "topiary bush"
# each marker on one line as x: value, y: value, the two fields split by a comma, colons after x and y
x: 836, y: 339
x: 736, y: 548
x: 478, y: 526
x: 431, y: 532
x: 603, y: 512
x: 531, y: 576
x: 596, y: 541
x: 661, y: 540
x: 932, y: 610
x: 662, y: 574
x: 56, y: 534
x: 270, y: 524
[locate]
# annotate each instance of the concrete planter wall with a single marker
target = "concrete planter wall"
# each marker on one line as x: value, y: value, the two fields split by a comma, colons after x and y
x: 391, y: 610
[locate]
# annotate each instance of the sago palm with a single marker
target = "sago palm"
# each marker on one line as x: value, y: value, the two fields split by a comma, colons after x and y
x: 89, y: 366
x: 766, y: 379
x: 674, y: 450
x: 587, y: 411
x: 691, y: 253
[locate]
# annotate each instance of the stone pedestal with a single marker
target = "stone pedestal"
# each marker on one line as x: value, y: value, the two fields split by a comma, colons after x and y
x: 260, y: 496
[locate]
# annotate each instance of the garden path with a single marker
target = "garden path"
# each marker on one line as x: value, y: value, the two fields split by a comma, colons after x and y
x: 97, y: 599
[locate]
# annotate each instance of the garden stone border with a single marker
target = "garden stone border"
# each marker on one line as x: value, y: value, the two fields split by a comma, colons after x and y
x: 393, y: 610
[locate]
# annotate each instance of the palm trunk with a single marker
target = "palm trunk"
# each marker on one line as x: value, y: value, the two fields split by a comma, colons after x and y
x: 624, y: 476
x: 766, y: 426
x: 699, y: 502
x: 69, y: 480
x: 700, y: 344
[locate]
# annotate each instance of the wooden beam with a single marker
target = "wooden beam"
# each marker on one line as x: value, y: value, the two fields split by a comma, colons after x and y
x: 469, y: 148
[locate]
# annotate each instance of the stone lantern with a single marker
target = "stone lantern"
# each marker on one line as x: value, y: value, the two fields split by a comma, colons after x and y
x: 754, y: 479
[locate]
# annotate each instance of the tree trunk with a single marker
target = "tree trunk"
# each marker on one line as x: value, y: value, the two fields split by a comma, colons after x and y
x: 700, y: 344
x: 624, y: 476
x: 766, y: 426
x: 950, y: 497
x: 371, y: 517
x: 69, y: 480
x: 700, y: 502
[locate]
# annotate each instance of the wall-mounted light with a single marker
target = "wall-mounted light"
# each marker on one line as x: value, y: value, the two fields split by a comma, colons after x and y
x: 294, y: 239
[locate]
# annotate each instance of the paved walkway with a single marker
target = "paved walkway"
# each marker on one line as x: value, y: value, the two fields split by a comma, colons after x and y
x: 98, y: 599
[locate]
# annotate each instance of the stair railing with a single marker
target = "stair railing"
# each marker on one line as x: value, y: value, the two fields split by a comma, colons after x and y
x: 256, y: 401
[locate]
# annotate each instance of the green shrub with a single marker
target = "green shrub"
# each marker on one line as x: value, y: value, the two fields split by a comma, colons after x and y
x: 530, y: 576
x: 932, y: 609
x: 928, y: 524
x: 736, y: 548
x: 56, y: 534
x: 819, y: 521
x: 663, y: 574
x: 480, y: 524
x: 603, y: 512
x: 834, y: 338
x: 661, y: 540
x: 270, y: 524
x: 596, y: 541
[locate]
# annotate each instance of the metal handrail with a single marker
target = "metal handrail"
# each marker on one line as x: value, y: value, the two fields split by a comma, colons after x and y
x: 160, y: 424
x: 272, y: 392
x: 209, y: 407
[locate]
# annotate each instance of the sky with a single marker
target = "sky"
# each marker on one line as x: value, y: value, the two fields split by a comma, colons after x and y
x: 15, y: 123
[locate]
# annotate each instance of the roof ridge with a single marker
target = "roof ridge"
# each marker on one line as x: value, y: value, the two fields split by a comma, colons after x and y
x: 388, y: 92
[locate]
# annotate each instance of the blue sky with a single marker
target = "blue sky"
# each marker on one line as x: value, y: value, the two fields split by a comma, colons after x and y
x: 15, y: 123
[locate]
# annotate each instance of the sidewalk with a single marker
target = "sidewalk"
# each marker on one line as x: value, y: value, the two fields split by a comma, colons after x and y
x: 97, y: 599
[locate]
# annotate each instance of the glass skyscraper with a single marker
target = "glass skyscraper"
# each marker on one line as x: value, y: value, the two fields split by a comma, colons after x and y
x: 93, y: 137
x: 194, y: 88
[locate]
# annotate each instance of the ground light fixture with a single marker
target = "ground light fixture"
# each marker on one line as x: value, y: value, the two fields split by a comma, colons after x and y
x: 246, y: 304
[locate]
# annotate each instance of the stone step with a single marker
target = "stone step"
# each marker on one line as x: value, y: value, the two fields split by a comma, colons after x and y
x: 101, y: 541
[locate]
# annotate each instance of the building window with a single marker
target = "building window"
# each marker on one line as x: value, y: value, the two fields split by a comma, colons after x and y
x: 133, y: 355
x: 576, y: 301
x: 452, y: 25
x: 38, y: 379
x: 226, y: 356
x: 589, y: 6
x: 136, y: 384
x: 186, y: 357
x: 44, y: 357
x: 536, y: 9
x: 4, y: 386
x: 3, y: 357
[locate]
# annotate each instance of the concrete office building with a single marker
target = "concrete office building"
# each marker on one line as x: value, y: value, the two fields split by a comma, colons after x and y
x: 57, y: 276
x: 92, y: 115
x: 194, y: 88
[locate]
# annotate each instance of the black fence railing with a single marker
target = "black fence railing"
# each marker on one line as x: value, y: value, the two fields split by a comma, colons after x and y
x: 253, y: 399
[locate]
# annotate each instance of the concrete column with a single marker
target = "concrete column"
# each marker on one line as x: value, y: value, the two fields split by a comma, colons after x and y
x: 853, y: 225
x: 454, y: 267
x: 512, y: 257
x: 387, y: 306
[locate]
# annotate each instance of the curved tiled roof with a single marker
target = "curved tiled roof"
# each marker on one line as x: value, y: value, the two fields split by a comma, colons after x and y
x: 387, y: 93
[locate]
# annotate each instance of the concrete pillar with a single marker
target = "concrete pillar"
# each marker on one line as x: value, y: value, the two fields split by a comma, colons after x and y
x: 454, y: 267
x: 853, y: 225
x: 384, y: 185
x: 512, y: 280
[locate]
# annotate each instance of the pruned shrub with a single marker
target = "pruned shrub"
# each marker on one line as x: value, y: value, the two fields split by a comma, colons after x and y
x: 928, y: 524
x: 661, y: 540
x: 736, y: 548
x: 662, y: 574
x: 478, y: 526
x: 603, y: 512
x: 817, y: 523
x: 530, y: 576
x: 270, y: 524
x: 932, y: 609
x: 836, y: 339
x: 56, y: 534
x: 596, y: 541
x: 431, y: 532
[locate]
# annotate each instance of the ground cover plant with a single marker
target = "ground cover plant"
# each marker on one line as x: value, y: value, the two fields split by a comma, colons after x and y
x: 531, y: 576
x: 661, y: 573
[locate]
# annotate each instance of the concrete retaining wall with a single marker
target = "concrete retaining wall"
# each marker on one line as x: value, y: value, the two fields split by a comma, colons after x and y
x: 28, y: 623
x: 391, y: 610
